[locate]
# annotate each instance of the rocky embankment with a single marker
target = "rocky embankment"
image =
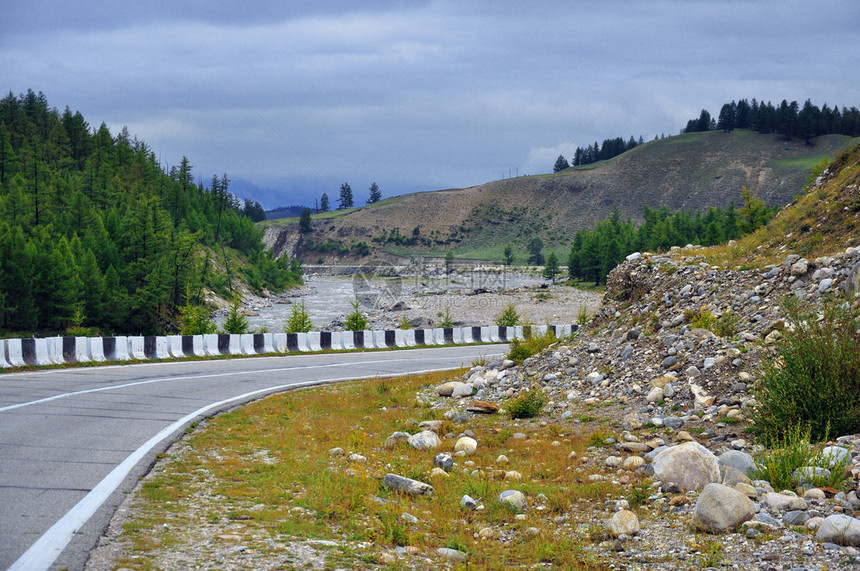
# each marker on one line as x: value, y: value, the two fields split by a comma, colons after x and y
x: 676, y: 397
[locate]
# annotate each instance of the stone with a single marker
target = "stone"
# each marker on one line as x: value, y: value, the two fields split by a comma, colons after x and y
x: 733, y: 477
x: 462, y: 390
x: 825, y: 285
x: 721, y: 509
x: 807, y: 474
x: 836, y: 455
x: 795, y: 517
x: 424, y: 440
x: 407, y: 485
x: 631, y: 463
x: 839, y: 529
x: 661, y: 381
x: 451, y: 554
x: 434, y: 425
x: 623, y: 522
x: 466, y: 445
x: 437, y: 472
x: 468, y: 502
x: 814, y: 494
x: 444, y: 460
x: 482, y: 407
x: 515, y: 499
x: 783, y: 502
x: 690, y: 466
x: 396, y: 439
x: 654, y: 395
x: 513, y: 476
x: 799, y: 267
x: 740, y: 461
x: 447, y: 389
x: 338, y: 451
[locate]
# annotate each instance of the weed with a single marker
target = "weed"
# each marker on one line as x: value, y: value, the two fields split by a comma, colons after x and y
x: 582, y: 316
x: 445, y: 317
x: 793, y: 451
x: 815, y: 380
x: 522, y: 349
x: 527, y: 406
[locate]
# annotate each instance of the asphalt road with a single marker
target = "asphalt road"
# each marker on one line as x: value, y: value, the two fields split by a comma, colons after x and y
x: 73, y: 442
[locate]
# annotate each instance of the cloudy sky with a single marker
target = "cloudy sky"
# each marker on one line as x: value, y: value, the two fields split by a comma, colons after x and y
x: 302, y: 96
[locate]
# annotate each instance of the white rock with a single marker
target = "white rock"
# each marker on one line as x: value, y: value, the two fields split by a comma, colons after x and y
x: 623, y: 522
x: 514, y: 498
x: 840, y: 529
x: 447, y: 389
x: 424, y: 440
x: 721, y: 509
x: 689, y: 465
x: 466, y: 445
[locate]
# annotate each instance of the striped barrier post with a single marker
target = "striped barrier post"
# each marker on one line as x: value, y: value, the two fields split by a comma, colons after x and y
x: 135, y: 348
x: 325, y: 340
x: 280, y: 342
x: 390, y: 338
x: 116, y: 348
x: 347, y: 340
x: 175, y: 346
x: 358, y: 339
x: 210, y: 345
x: 303, y: 343
x: 419, y: 336
x: 246, y: 344
x: 263, y: 343
x: 292, y: 342
x: 404, y: 338
x: 96, y: 349
x: 314, y: 338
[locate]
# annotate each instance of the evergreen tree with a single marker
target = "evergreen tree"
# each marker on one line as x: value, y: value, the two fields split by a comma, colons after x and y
x: 375, y: 194
x: 560, y: 164
x: 345, y: 200
x: 535, y: 249
x: 324, y: 204
x: 551, y: 269
x: 305, y: 221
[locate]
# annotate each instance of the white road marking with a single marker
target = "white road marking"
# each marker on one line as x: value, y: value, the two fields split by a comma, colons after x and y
x: 42, y: 554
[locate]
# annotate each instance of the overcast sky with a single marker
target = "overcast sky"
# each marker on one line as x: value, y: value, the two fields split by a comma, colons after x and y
x: 415, y: 95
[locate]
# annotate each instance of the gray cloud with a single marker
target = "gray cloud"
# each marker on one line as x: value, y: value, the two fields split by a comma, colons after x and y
x: 416, y: 96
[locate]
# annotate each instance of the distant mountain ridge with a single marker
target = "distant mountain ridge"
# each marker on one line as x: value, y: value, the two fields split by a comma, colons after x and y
x: 692, y: 171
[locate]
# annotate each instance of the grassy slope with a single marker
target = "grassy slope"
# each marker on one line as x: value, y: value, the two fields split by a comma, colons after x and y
x: 691, y: 171
x: 823, y: 221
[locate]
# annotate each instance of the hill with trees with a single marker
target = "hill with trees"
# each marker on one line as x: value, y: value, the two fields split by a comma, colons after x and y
x: 689, y: 172
x: 95, y: 235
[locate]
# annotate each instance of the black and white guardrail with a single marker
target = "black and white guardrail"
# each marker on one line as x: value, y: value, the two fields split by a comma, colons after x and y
x: 64, y: 350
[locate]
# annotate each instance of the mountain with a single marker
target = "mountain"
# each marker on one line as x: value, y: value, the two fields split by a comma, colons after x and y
x: 693, y: 171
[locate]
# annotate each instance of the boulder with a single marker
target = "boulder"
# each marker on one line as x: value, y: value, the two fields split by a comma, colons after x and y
x: 623, y: 522
x: 721, y: 509
x: 690, y: 466
x: 447, y: 389
x: 396, y: 438
x: 840, y: 529
x: 424, y: 440
x: 515, y: 499
x: 462, y: 390
x: 407, y: 485
x: 740, y: 461
x: 443, y: 460
x: 483, y: 407
x: 466, y: 444
x: 783, y: 502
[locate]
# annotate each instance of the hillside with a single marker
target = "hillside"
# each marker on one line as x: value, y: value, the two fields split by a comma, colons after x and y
x: 685, y: 172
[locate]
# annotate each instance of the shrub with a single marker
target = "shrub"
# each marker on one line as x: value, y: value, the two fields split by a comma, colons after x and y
x: 404, y: 323
x: 236, y: 322
x: 445, y: 318
x: 792, y: 451
x: 508, y: 317
x: 299, y: 320
x: 194, y: 320
x: 815, y: 380
x: 522, y: 349
x: 582, y: 316
x: 528, y: 405
x: 355, y: 321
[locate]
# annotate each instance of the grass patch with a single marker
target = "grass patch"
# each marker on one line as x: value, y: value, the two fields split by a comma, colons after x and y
x: 793, y: 451
x: 265, y: 472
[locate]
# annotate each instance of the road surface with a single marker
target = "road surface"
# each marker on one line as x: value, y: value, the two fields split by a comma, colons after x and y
x: 73, y: 442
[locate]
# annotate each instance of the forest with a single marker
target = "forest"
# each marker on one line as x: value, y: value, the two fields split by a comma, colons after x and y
x: 594, y: 253
x: 96, y: 237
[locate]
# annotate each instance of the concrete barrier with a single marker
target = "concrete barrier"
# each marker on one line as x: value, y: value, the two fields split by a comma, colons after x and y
x: 229, y: 344
x: 279, y: 340
x: 263, y: 343
x: 155, y: 347
x: 303, y: 342
x: 15, y: 352
x: 404, y: 338
x: 389, y: 337
x: 135, y: 348
x: 115, y: 348
x: 347, y: 340
x: 4, y: 364
x: 41, y: 354
x: 326, y: 340
x: 246, y: 344
x: 174, y: 346
x: 210, y: 345
x: 95, y: 349
x: 314, y: 340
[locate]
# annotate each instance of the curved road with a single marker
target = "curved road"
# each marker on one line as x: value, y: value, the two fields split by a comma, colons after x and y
x: 73, y: 442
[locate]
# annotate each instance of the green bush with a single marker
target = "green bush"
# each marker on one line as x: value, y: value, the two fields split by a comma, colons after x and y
x: 528, y: 405
x: 299, y: 320
x: 522, y: 349
x: 194, y: 320
x: 355, y: 321
x: 815, y: 379
x: 793, y: 451
x: 235, y: 323
x: 508, y: 317
x: 445, y: 317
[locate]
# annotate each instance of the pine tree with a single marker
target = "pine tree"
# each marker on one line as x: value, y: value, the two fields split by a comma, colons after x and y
x: 324, y: 205
x: 551, y: 268
x: 560, y: 164
x: 345, y: 200
x: 305, y: 221
x: 375, y: 194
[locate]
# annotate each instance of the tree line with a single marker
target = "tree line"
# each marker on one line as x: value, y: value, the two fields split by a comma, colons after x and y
x: 593, y: 153
x: 788, y: 120
x: 345, y: 198
x: 594, y: 253
x: 96, y: 236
